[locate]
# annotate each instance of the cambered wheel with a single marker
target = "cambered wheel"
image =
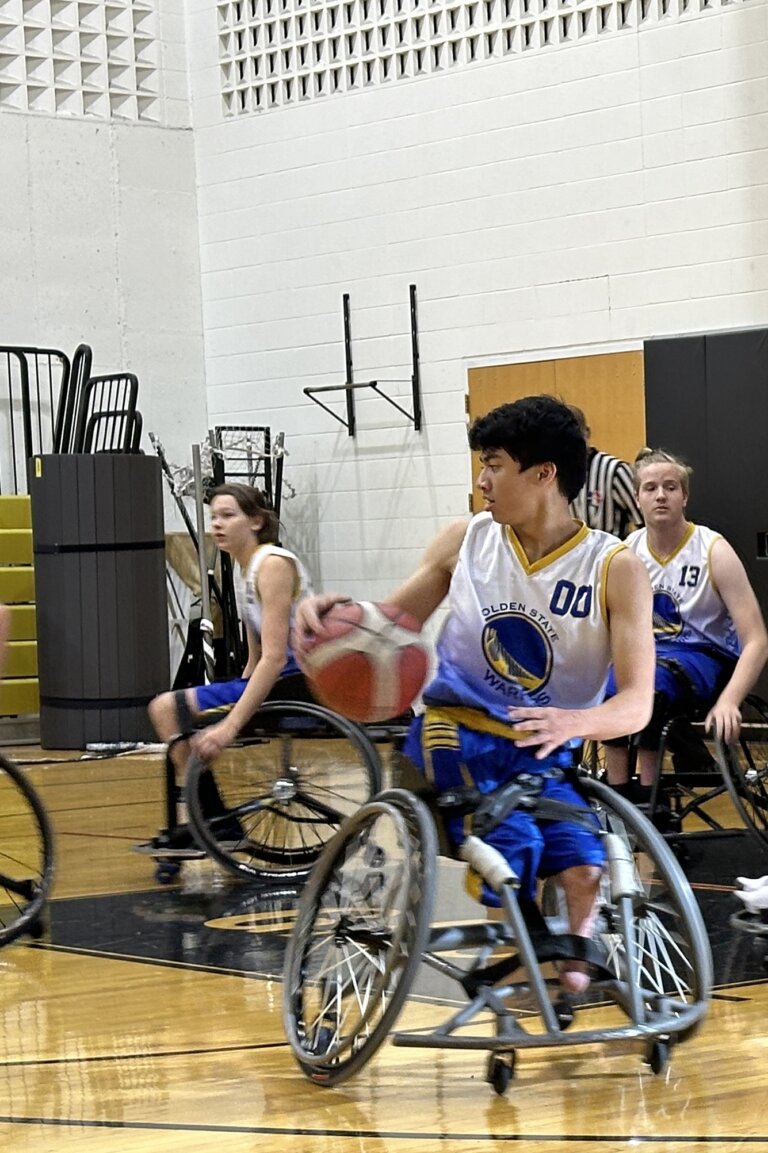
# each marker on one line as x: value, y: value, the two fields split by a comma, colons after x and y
x: 744, y: 766
x: 26, y: 855
x: 672, y: 958
x: 274, y: 801
x: 361, y: 928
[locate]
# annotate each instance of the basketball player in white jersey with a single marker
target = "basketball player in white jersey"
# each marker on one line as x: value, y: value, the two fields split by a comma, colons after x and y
x: 539, y: 607
x: 711, y: 642
x: 244, y: 526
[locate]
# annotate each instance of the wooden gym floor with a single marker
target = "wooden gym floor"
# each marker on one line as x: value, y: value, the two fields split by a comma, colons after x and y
x: 148, y: 1018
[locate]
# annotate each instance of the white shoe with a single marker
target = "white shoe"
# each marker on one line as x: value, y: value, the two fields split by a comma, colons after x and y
x: 755, y: 900
x: 749, y: 884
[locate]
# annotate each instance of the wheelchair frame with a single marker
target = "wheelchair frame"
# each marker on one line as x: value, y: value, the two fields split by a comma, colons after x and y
x: 743, y: 777
x: 363, y: 928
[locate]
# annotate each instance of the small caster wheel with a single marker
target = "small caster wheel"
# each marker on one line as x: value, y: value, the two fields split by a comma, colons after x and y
x: 657, y: 1055
x: 166, y: 872
x: 36, y: 928
x: 564, y: 1012
x: 501, y: 1068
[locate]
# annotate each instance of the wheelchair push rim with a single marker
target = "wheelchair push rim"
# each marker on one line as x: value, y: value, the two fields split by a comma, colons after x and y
x: 283, y: 792
x: 362, y: 926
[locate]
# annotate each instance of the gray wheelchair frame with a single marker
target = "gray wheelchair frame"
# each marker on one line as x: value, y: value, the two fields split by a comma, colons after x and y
x: 363, y: 930
x: 689, y: 792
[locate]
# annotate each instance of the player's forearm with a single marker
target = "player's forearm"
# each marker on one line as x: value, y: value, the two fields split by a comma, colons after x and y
x: 621, y: 716
x: 259, y: 684
x: 748, y: 668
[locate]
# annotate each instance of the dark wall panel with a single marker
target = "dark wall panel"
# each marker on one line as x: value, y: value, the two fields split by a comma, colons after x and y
x: 707, y: 400
x: 675, y: 407
x: 737, y: 405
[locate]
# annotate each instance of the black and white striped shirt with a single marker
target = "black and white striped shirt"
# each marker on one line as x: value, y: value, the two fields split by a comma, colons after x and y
x: 607, y: 501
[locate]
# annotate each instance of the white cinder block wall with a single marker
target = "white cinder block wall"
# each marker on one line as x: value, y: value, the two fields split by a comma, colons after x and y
x: 99, y: 222
x: 576, y: 199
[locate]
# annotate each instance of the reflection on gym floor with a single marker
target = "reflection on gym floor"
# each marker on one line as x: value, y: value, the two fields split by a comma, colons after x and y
x: 148, y: 1017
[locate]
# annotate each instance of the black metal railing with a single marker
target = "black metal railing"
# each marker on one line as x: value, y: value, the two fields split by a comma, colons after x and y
x: 32, y: 380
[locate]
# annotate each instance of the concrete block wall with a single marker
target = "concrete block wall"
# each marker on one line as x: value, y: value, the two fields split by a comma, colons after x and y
x: 574, y: 200
x: 100, y: 245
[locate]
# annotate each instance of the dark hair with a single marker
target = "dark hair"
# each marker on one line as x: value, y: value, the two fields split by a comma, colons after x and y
x: 648, y: 456
x: 534, y: 430
x: 253, y: 502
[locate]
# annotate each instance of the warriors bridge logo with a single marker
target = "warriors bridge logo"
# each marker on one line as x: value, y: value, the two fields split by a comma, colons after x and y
x: 518, y: 650
x: 667, y: 621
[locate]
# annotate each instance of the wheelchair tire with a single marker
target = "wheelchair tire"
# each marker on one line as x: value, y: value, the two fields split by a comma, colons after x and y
x: 26, y: 856
x: 282, y: 792
x: 744, y: 766
x: 362, y: 925
x: 673, y: 960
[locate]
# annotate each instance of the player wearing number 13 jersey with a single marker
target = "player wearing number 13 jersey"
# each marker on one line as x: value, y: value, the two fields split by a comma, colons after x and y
x: 711, y: 643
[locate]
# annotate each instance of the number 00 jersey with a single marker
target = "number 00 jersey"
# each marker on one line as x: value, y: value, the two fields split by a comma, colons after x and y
x: 687, y: 608
x: 520, y: 633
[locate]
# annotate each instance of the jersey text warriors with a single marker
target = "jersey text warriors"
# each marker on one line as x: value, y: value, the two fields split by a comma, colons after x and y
x: 520, y: 633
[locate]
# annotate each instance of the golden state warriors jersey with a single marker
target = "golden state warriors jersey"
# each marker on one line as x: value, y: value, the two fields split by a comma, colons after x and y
x: 253, y: 610
x: 687, y: 608
x: 520, y: 633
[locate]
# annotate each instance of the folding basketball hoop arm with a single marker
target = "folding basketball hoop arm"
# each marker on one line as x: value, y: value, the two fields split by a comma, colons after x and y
x: 350, y: 386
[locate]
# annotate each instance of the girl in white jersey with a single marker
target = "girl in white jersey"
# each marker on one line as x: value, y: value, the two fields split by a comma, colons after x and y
x: 245, y: 526
x: 711, y: 642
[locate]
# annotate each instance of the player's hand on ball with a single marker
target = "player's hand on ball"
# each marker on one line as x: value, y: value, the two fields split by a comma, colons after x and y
x: 308, y: 622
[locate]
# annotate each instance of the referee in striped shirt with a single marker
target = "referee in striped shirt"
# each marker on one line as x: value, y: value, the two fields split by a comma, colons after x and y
x: 607, y: 500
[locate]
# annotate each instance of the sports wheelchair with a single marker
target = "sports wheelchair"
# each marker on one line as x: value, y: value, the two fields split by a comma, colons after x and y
x: 363, y: 931
x: 702, y: 772
x: 26, y: 856
x: 269, y: 803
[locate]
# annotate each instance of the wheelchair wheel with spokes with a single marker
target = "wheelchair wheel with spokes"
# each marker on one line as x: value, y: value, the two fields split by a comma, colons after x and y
x: 26, y: 855
x: 362, y: 926
x: 672, y: 959
x: 744, y: 766
x: 267, y: 806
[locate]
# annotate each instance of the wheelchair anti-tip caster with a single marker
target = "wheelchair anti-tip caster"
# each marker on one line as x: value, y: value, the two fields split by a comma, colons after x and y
x: 501, y: 1070
x: 167, y: 872
x: 657, y: 1055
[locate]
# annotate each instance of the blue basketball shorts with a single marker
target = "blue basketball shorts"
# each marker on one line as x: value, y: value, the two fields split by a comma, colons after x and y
x: 214, y: 701
x: 703, y: 674
x: 452, y: 756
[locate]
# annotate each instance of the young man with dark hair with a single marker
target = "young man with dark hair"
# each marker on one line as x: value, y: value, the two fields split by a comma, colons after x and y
x: 539, y: 607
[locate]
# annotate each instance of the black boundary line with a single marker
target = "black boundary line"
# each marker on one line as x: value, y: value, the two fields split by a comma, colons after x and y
x: 400, y: 1135
x: 719, y: 992
x: 155, y: 1055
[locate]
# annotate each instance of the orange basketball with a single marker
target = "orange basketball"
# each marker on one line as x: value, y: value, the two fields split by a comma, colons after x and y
x: 370, y: 663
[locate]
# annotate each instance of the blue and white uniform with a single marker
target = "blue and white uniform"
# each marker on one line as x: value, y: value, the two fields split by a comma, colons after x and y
x: 687, y: 608
x: 520, y: 633
x: 517, y: 633
x: 696, y: 641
